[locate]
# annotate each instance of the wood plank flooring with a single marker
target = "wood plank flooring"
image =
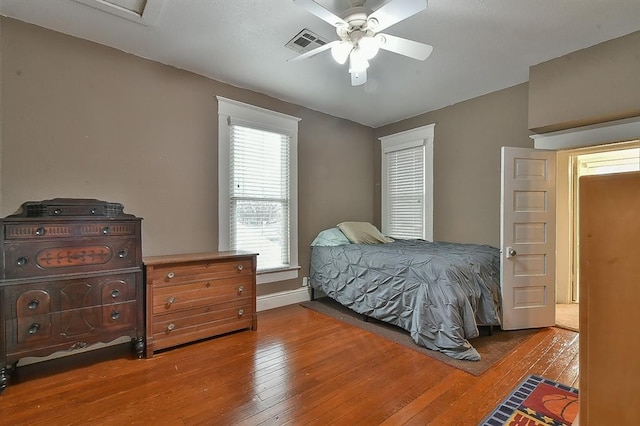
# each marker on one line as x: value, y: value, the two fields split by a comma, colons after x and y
x: 298, y: 368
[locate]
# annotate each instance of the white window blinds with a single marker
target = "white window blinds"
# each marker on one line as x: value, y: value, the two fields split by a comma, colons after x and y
x: 260, y: 195
x: 405, y: 192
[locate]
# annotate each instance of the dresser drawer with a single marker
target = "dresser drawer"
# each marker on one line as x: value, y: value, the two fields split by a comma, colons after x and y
x: 47, y: 297
x: 33, y: 259
x: 176, y: 273
x: 74, y: 327
x: 199, y: 323
x: 39, y: 231
x: 201, y: 293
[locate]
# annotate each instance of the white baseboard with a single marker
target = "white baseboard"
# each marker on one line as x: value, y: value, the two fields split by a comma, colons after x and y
x: 283, y: 298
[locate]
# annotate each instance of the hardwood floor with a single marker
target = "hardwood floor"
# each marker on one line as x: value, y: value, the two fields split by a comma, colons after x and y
x: 568, y: 316
x: 299, y: 367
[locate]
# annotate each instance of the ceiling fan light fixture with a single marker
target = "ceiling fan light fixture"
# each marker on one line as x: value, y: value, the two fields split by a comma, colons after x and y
x: 357, y: 61
x: 341, y: 51
x: 369, y: 46
x: 359, y: 32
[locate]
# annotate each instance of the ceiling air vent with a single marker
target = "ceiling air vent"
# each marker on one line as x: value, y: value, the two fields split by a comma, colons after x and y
x: 305, y: 41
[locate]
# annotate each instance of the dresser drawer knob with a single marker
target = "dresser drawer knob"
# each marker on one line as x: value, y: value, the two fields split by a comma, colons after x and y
x: 34, y: 328
x: 57, y: 212
x: 171, y: 275
x: 106, y: 230
x: 41, y: 231
x: 122, y: 254
x: 171, y: 327
x: 240, y: 289
x: 171, y: 300
x: 115, y: 293
x: 240, y: 312
x: 240, y: 267
x: 22, y: 261
x: 33, y: 304
x: 115, y: 315
x: 94, y: 211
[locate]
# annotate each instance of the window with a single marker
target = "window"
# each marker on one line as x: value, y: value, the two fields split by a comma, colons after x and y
x: 407, y: 184
x: 257, y: 184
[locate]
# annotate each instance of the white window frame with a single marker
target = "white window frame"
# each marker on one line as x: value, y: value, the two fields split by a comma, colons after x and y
x: 421, y: 136
x: 258, y: 118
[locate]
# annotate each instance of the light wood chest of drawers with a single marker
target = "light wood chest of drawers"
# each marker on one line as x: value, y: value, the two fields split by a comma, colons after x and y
x: 195, y: 296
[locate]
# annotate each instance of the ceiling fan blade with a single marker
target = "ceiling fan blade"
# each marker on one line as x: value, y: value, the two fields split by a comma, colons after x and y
x: 358, y: 78
x: 321, y: 12
x: 315, y: 51
x: 395, y: 11
x: 402, y: 46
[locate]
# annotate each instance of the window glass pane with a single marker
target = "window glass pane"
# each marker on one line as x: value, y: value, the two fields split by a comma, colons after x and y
x: 405, y: 189
x: 259, y: 192
x: 261, y: 226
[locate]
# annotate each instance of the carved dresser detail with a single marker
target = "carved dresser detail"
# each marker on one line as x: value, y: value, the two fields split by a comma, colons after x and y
x: 71, y: 277
x: 195, y: 296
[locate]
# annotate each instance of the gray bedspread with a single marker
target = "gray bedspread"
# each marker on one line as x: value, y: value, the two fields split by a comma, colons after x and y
x: 439, y: 292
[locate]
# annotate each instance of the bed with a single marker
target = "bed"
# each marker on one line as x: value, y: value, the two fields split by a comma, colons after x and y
x: 439, y: 292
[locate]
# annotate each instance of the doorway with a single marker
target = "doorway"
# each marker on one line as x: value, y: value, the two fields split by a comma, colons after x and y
x: 572, y: 164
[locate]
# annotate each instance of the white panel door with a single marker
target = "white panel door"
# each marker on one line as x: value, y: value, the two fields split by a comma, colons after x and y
x: 527, y: 238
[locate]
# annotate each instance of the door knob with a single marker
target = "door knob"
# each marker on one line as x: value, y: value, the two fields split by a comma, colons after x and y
x: 511, y: 252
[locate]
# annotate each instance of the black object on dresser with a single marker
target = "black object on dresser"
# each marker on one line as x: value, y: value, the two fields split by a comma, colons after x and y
x: 71, y: 277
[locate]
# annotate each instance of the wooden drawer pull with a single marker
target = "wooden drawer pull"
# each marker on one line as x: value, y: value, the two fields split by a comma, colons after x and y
x: 33, y: 304
x: 171, y: 275
x: 122, y: 254
x: 171, y: 300
x: 106, y: 230
x: 41, y: 231
x: 240, y: 267
x: 115, y: 293
x: 115, y: 315
x: 22, y: 261
x: 240, y: 289
x: 34, y: 328
x: 240, y: 312
x: 171, y: 327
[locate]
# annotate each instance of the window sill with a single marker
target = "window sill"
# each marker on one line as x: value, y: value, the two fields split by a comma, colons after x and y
x: 290, y: 273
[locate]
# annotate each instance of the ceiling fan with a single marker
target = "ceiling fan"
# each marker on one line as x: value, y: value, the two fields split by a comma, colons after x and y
x: 360, y: 36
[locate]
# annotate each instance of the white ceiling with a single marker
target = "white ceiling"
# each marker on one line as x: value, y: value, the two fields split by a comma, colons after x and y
x: 479, y: 46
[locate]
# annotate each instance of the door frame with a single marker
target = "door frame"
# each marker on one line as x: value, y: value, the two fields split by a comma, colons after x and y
x: 603, y: 134
x: 567, y: 216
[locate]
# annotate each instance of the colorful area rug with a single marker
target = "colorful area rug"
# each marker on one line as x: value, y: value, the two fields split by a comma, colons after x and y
x: 536, y: 402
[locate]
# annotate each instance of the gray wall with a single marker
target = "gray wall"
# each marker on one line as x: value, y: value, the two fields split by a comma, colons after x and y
x: 82, y: 120
x: 593, y: 85
x: 466, y: 157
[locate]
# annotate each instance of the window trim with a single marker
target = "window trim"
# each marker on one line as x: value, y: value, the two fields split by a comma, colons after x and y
x: 408, y: 139
x: 231, y: 111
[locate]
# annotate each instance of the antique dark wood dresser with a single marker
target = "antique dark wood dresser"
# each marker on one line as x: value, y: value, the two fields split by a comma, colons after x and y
x: 71, y: 277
